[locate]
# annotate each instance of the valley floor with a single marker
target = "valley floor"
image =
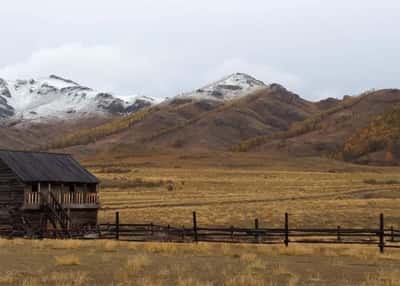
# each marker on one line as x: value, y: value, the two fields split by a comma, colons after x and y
x: 224, y: 189
x: 234, y: 189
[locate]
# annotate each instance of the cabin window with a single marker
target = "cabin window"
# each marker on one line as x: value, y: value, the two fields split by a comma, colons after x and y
x: 72, y: 188
x: 35, y: 187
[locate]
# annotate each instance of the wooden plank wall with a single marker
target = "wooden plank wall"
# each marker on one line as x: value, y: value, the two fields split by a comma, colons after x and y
x: 11, y: 194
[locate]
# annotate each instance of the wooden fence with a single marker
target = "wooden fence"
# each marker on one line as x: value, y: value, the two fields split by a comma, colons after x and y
x: 380, y: 236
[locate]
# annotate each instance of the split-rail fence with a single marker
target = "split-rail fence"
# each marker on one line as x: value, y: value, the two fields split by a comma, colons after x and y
x: 379, y: 236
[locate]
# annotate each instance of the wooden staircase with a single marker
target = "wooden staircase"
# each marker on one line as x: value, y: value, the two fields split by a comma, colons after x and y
x: 27, y: 227
x: 57, y: 215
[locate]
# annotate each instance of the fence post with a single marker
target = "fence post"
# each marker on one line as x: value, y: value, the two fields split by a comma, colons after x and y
x: 256, y: 228
x: 117, y: 225
x: 286, y: 229
x: 392, y: 234
x: 338, y: 233
x: 196, y: 239
x: 381, y: 234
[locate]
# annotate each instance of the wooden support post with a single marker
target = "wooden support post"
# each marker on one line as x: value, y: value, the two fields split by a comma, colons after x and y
x: 381, y: 234
x: 286, y: 229
x: 117, y: 225
x: 256, y: 236
x: 39, y: 191
x: 151, y: 229
x: 391, y: 234
x: 61, y: 196
x: 232, y: 228
x: 85, y: 194
x: 43, y: 224
x: 168, y: 231
x: 183, y: 233
x: 339, y: 238
x: 196, y: 238
x: 69, y: 221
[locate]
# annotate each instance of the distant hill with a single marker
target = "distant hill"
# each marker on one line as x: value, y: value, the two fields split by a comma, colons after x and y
x: 31, y: 110
x: 195, y: 123
x: 379, y: 142
x: 346, y: 131
x: 237, y: 113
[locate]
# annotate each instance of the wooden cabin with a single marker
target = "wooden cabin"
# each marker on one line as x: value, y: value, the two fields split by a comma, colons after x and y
x: 45, y: 192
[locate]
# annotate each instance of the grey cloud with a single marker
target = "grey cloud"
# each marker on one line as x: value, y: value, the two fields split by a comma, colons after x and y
x: 161, y: 48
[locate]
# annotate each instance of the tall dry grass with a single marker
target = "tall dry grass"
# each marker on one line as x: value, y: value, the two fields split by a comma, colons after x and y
x: 67, y: 260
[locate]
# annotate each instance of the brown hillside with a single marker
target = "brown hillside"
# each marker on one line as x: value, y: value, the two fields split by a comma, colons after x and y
x: 379, y: 142
x: 132, y: 131
x: 265, y: 112
x: 207, y: 124
x: 273, y: 120
x: 326, y: 133
x: 31, y: 135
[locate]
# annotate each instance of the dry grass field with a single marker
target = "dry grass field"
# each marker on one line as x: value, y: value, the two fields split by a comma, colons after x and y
x: 82, y: 263
x: 224, y: 189
x: 234, y: 189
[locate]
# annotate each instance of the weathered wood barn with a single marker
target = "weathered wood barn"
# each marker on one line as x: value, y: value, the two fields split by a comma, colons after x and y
x: 42, y: 193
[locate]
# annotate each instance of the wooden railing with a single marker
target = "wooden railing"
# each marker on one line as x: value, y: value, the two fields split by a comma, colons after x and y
x: 32, y: 198
x: 65, y: 198
x: 78, y: 198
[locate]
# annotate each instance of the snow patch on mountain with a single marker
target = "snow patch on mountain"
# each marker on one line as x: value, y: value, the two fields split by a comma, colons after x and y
x: 5, y: 109
x: 57, y: 97
x: 233, y: 86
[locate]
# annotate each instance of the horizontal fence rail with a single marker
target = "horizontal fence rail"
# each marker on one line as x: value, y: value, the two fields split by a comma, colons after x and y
x: 380, y: 236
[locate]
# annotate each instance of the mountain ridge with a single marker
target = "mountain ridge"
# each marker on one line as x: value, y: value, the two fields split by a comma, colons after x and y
x: 207, y: 123
x: 55, y: 97
x: 235, y: 113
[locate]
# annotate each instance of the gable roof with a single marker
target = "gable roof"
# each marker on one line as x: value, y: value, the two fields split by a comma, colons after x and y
x: 46, y: 167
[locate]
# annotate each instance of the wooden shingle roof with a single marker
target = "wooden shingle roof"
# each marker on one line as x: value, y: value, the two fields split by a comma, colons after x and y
x: 46, y: 167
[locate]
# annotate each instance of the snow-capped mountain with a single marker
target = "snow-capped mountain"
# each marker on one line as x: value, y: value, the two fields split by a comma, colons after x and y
x: 228, y: 88
x: 57, y: 97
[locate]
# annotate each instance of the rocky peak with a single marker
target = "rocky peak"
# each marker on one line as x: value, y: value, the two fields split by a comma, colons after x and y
x: 228, y: 88
x: 55, y: 97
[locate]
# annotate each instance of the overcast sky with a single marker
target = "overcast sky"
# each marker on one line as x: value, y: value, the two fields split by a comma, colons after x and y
x: 163, y: 47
